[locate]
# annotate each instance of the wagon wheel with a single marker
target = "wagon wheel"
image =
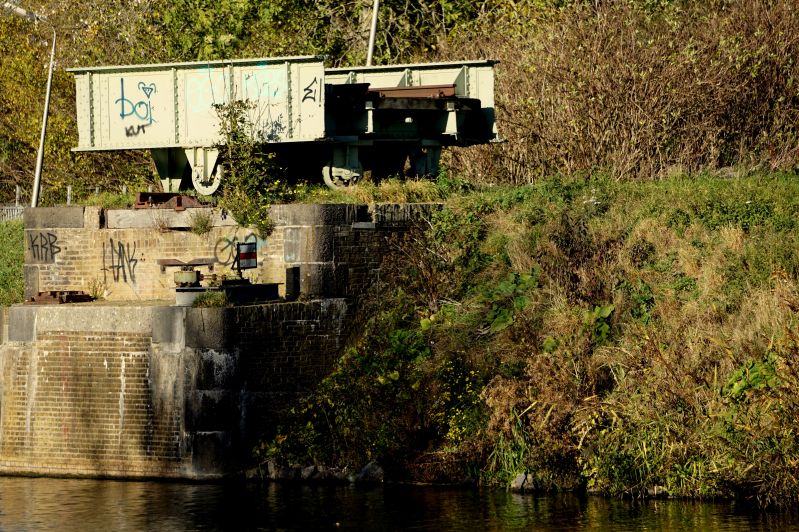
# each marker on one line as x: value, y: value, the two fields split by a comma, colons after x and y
x: 338, y: 178
x: 207, y: 185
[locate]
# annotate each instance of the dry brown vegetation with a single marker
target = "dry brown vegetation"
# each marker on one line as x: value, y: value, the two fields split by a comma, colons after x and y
x: 640, y: 91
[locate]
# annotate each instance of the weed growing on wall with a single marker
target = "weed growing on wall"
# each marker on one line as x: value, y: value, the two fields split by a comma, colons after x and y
x: 211, y: 298
x: 252, y: 181
x: 201, y: 221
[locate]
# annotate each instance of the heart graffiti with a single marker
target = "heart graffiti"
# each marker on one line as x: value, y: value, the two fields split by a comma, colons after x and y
x: 148, y: 90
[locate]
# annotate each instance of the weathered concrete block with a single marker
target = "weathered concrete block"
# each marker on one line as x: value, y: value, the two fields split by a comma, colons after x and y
x: 168, y: 325
x: 93, y: 318
x: 363, y: 225
x: 31, y: 275
x: 160, y: 219
x: 22, y: 323
x: 205, y: 328
x: 323, y: 280
x: 92, y: 217
x: 308, y: 244
x: 50, y: 217
x: 3, y: 325
x: 292, y: 286
x: 402, y: 213
x: 318, y: 214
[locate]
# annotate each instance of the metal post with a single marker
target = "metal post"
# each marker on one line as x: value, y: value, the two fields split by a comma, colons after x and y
x: 20, y: 12
x: 372, y: 33
x: 37, y: 177
x: 69, y: 194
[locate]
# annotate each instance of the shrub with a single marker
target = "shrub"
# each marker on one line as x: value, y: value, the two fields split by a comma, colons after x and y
x: 201, y: 221
x: 11, y: 261
x: 211, y: 298
x: 638, y: 91
x: 252, y: 180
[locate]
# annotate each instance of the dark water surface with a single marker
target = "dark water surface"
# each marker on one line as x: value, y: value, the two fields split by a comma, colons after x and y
x: 55, y: 504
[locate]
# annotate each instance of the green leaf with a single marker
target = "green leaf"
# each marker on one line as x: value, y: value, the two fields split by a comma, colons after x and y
x: 502, y: 320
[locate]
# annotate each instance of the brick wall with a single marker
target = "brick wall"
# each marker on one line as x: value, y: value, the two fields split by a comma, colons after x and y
x: 154, y: 391
x: 81, y: 402
x: 115, y: 253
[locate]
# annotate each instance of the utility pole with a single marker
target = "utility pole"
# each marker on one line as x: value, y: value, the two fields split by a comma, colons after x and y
x: 12, y: 7
x: 372, y: 33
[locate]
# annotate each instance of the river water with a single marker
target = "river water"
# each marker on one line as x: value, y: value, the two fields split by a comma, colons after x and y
x: 100, y: 505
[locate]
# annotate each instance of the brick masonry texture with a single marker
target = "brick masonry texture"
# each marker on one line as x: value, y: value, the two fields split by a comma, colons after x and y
x: 79, y: 400
x: 336, y: 247
x: 134, y: 387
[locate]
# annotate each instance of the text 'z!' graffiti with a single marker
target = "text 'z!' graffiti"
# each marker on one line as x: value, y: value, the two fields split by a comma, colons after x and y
x: 139, y: 106
x: 120, y: 260
x: 310, y: 91
x: 44, y: 246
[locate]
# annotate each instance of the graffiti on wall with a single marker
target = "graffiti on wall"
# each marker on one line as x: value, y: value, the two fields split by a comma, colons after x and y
x: 225, y: 248
x: 119, y: 259
x: 310, y: 91
x: 139, y: 105
x: 43, y: 246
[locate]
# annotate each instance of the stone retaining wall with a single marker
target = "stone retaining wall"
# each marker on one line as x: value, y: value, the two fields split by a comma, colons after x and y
x: 154, y: 391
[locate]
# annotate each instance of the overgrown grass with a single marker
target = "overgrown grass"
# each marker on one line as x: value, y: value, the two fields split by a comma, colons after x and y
x: 11, y: 262
x: 393, y: 190
x: 110, y: 200
x: 387, y: 191
x: 211, y: 299
x: 614, y: 336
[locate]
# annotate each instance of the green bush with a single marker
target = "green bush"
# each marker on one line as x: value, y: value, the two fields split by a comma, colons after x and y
x: 11, y: 260
x: 211, y: 298
x: 253, y: 181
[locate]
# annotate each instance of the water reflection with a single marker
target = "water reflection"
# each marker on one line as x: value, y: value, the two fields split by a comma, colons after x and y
x: 49, y: 504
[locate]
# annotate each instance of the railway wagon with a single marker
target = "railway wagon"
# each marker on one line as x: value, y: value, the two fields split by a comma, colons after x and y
x: 336, y: 123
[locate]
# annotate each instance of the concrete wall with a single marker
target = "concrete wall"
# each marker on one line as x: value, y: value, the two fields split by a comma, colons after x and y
x: 115, y: 253
x: 154, y: 391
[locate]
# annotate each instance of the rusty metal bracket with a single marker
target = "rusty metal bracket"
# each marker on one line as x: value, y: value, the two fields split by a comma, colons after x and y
x: 205, y: 261
x: 57, y: 297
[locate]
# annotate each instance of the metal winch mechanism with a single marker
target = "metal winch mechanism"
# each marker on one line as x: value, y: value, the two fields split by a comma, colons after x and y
x: 236, y: 288
x: 187, y: 277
